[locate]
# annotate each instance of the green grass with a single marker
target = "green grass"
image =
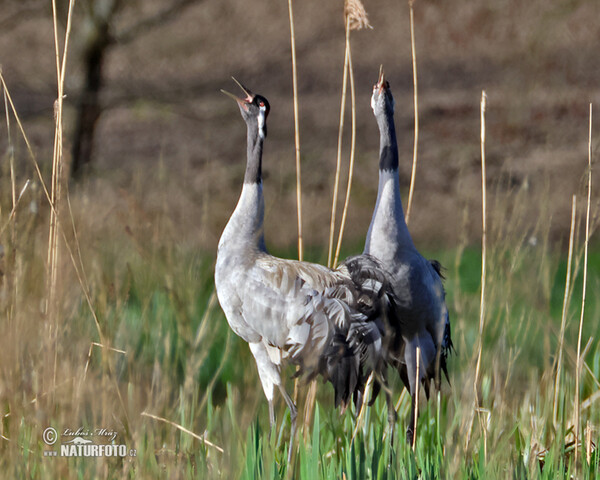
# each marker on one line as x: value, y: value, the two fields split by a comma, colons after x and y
x: 152, y: 297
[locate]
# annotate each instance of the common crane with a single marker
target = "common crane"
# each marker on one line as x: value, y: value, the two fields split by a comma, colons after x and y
x: 422, y: 317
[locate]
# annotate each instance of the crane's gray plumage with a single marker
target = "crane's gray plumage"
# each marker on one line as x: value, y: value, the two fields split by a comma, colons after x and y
x: 422, y: 317
x: 329, y: 322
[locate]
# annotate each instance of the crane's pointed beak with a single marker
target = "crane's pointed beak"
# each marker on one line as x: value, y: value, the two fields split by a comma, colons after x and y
x: 241, y: 101
x: 381, y: 84
x: 249, y: 94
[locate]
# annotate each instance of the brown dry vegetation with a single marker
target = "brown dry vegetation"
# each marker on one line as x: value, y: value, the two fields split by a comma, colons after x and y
x: 171, y: 144
x: 167, y: 173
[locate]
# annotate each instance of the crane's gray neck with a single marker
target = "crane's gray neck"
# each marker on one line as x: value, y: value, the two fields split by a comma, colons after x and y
x: 245, y: 230
x: 254, y: 160
x: 388, y: 232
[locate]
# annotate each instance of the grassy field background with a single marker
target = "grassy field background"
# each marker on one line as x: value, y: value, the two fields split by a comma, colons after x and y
x: 167, y: 173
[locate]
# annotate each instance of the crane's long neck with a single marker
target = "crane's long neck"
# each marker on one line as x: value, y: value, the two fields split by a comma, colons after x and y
x: 245, y: 227
x: 255, y: 142
x: 388, y: 231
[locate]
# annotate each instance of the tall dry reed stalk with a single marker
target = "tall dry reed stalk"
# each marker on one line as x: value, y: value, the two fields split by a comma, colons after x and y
x: 416, y: 109
x: 338, y: 165
x: 55, y: 189
x: 297, y: 158
x: 77, y: 265
x: 577, y: 425
x: 483, y: 269
x: 296, y: 131
x: 355, y: 18
x: 54, y: 198
x: 352, y: 152
x: 565, y: 308
x: 483, y: 243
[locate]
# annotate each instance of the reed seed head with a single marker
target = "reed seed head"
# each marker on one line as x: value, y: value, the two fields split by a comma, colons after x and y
x: 356, y: 15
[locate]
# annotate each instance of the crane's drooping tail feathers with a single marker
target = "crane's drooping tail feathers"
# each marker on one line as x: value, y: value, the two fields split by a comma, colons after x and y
x: 355, y: 347
x: 446, y: 347
x: 359, y: 349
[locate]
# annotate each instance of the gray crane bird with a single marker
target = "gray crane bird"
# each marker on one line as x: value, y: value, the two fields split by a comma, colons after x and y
x: 328, y: 322
x: 421, y: 319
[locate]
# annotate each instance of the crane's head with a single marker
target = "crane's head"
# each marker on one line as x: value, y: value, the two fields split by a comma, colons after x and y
x: 255, y: 109
x: 382, y: 101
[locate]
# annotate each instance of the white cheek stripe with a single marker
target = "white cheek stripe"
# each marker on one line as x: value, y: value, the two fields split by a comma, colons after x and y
x: 261, y: 122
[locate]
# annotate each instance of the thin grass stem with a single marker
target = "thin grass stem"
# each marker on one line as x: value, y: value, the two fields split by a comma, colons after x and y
x: 14, y: 208
x: 416, y: 109
x: 53, y: 247
x: 338, y: 167
x: 12, y: 159
x: 483, y: 269
x: 577, y: 426
x: 563, y: 321
x: 416, y: 400
x: 361, y: 413
x: 352, y: 152
x: 185, y: 430
x: 483, y: 246
x: 296, y: 132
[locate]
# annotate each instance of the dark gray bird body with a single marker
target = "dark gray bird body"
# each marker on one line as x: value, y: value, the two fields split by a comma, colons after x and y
x: 421, y: 319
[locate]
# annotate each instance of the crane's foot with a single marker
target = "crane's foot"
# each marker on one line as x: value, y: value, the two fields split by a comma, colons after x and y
x: 410, y: 435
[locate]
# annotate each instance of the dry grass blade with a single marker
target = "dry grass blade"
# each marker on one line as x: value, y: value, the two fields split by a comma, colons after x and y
x: 361, y: 413
x: 55, y: 193
x: 25, y: 139
x: 356, y: 15
x: 483, y: 269
x: 416, y: 400
x: 89, y: 357
x: 336, y: 182
x: 296, y: 132
x: 84, y: 287
x: 589, y: 444
x: 483, y: 243
x: 14, y: 208
x: 563, y: 321
x: 484, y: 420
x: 297, y: 147
x: 309, y: 407
x: 12, y: 157
x: 352, y: 150
x: 416, y: 109
x: 583, y: 294
x: 185, y: 430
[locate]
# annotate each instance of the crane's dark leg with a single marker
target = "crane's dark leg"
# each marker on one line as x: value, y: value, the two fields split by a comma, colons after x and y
x: 411, y: 424
x: 271, y: 417
x: 293, y: 415
x: 271, y: 414
x: 391, y: 411
x: 438, y: 373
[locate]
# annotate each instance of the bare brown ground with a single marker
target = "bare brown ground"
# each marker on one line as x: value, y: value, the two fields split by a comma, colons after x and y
x: 170, y: 146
